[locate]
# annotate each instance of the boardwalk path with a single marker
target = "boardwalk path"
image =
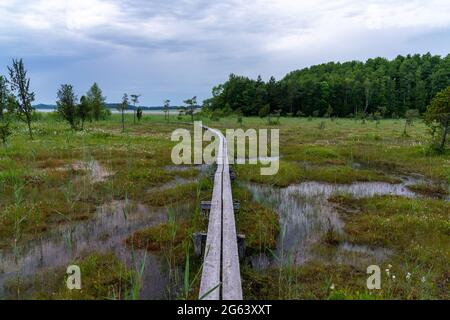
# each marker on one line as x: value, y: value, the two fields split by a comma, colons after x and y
x: 221, y: 277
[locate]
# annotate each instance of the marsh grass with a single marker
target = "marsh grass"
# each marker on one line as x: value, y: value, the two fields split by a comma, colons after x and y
x: 293, y: 172
x: 415, y: 229
x: 55, y: 191
x: 38, y: 192
x: 103, y: 277
x: 259, y: 223
x: 136, y: 280
x: 438, y: 190
x: 173, y: 240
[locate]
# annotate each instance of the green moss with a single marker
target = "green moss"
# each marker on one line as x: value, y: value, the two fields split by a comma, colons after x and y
x: 35, y: 195
x: 344, y: 174
x: 430, y: 189
x: 166, y: 197
x: 311, y: 281
x: 155, y: 238
x: 288, y: 173
x: 291, y: 172
x: 189, y: 173
x: 259, y: 224
x: 102, y: 277
x: 415, y: 229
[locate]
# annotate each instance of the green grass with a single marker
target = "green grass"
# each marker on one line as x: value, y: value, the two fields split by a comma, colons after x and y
x: 102, y: 277
x: 417, y: 230
x: 40, y: 172
x: 40, y: 188
x: 258, y: 223
x: 293, y: 172
x: 430, y: 189
x: 346, y: 141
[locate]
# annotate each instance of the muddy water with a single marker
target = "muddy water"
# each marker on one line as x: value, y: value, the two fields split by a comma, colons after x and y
x: 305, y: 215
x: 106, y: 232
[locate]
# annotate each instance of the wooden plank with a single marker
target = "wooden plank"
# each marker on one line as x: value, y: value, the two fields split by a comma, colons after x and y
x: 231, y: 275
x: 211, y: 261
x: 221, y: 251
x: 213, y: 249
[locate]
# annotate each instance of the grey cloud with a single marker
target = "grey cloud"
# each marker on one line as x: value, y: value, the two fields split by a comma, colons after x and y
x: 175, y: 49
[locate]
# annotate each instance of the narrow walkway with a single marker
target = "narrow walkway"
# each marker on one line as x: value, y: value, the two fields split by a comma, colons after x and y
x: 221, y: 276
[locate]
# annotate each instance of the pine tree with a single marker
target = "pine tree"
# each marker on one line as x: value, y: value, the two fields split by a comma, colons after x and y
x: 97, y: 101
x: 20, y: 88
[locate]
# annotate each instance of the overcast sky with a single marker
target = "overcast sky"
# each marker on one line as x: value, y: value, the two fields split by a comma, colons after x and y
x: 180, y: 48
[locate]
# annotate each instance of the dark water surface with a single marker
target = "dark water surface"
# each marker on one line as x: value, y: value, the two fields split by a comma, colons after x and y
x: 305, y: 215
x: 105, y: 232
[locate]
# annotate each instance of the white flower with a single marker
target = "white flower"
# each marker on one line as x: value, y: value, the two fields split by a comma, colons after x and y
x: 408, y: 276
x: 423, y: 279
x: 332, y: 286
x: 393, y: 277
x: 389, y: 266
x: 387, y: 272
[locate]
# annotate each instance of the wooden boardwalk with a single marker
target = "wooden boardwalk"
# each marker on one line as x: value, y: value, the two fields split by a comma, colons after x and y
x: 221, y: 276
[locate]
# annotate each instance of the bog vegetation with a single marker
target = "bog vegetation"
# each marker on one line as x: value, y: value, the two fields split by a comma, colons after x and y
x: 47, y: 177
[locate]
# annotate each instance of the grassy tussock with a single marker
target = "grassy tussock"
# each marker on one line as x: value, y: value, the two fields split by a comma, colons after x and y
x: 258, y: 223
x: 415, y: 229
x: 158, y: 237
x: 430, y: 189
x: 103, y: 277
x: 41, y: 185
x: 292, y: 172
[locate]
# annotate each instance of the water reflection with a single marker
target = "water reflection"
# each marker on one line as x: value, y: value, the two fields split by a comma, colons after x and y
x: 305, y: 215
x: 105, y: 232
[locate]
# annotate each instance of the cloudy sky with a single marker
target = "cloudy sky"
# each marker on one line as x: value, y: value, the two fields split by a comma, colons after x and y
x: 180, y: 48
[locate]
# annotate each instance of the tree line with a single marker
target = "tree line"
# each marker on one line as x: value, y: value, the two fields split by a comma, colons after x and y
x: 385, y: 87
x: 406, y: 86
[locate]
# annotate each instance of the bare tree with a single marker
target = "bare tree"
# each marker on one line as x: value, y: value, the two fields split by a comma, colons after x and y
x: 134, y: 100
x: 20, y: 87
x: 191, y: 104
x: 166, y: 109
x: 122, y: 107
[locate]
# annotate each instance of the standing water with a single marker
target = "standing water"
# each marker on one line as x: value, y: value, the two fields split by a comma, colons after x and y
x: 105, y: 232
x: 111, y: 225
x: 305, y: 215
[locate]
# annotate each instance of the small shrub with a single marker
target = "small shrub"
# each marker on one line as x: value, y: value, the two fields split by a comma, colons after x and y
x: 5, y: 131
x: 139, y: 113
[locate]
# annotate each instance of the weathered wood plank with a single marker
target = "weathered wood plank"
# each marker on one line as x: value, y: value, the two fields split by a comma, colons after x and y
x: 211, y: 262
x: 221, y: 251
x: 231, y: 275
x: 213, y: 249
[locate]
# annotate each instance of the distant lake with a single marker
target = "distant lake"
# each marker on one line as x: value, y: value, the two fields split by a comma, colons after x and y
x: 114, y: 111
